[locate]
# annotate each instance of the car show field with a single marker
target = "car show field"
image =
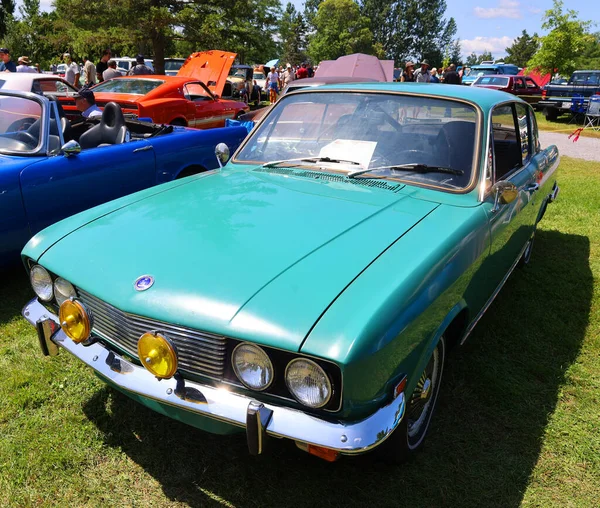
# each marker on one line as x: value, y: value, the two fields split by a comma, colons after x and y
x: 516, y: 422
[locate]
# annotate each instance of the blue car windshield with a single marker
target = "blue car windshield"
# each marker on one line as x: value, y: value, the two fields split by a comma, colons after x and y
x: 19, y: 125
x: 128, y: 86
x: 371, y: 130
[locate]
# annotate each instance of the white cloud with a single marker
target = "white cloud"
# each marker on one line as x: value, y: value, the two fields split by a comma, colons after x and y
x: 535, y: 10
x: 505, y: 9
x: 481, y: 44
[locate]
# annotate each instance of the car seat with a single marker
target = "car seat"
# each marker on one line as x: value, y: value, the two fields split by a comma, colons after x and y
x: 112, y: 129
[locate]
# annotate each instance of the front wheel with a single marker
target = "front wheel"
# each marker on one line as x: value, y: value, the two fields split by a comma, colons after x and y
x: 551, y: 114
x: 408, y: 437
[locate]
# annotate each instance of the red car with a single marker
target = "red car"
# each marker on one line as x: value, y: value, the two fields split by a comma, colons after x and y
x: 522, y: 86
x: 192, y: 98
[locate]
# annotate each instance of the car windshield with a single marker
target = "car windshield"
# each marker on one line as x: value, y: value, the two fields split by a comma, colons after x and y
x: 259, y: 76
x: 492, y: 81
x: 129, y: 86
x: 480, y: 71
x: 173, y: 65
x: 237, y: 73
x: 19, y: 124
x: 373, y: 130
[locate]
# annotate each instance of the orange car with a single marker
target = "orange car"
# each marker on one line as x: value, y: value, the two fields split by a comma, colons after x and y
x: 191, y: 98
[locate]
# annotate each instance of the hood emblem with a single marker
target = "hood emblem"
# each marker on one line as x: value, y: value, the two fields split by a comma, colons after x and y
x: 144, y: 282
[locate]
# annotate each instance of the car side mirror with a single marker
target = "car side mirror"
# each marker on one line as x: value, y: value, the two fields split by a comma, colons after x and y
x: 222, y: 154
x: 71, y: 148
x: 504, y: 193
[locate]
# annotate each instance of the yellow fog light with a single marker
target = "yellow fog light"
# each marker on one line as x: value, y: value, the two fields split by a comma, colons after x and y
x: 158, y: 355
x: 75, y: 320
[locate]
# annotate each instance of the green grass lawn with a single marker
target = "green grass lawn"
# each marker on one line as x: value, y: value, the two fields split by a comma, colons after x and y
x: 518, y: 420
x: 561, y: 124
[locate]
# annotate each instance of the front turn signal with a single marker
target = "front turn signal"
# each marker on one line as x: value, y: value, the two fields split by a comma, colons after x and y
x: 75, y: 320
x: 158, y: 355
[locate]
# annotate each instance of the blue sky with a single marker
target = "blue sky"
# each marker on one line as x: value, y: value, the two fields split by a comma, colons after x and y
x: 494, y: 24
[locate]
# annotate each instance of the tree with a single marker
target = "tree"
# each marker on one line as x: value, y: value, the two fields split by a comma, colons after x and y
x: 310, y: 11
x: 7, y: 10
x: 474, y: 59
x: 455, y: 53
x: 292, y: 32
x: 340, y: 30
x: 522, y: 50
x: 564, y: 44
x: 590, y: 56
x: 411, y: 28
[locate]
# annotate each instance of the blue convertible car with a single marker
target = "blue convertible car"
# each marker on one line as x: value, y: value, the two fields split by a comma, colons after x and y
x: 50, y: 169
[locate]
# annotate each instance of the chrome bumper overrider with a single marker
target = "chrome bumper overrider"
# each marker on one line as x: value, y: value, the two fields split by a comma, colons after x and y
x: 259, y: 419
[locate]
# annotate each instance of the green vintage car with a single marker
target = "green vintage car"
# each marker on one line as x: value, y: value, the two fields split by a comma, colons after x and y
x: 309, y: 289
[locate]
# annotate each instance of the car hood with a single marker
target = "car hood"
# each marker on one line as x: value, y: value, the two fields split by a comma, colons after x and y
x: 210, y: 67
x: 249, y: 255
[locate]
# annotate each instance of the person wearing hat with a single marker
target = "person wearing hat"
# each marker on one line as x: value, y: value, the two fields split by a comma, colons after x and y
x: 423, y: 75
x: 25, y: 65
x: 140, y: 67
x: 6, y: 63
x: 86, y: 103
x: 72, y: 72
x: 408, y: 72
x: 288, y: 75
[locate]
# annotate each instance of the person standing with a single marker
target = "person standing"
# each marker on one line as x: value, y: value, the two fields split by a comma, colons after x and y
x: 6, y: 63
x: 302, y: 72
x: 422, y: 75
x: 273, y: 85
x: 89, y: 72
x: 102, y: 65
x: 140, y: 67
x: 408, y: 73
x: 25, y: 65
x: 111, y: 72
x: 434, y: 76
x: 451, y: 77
x: 72, y: 72
x: 288, y: 75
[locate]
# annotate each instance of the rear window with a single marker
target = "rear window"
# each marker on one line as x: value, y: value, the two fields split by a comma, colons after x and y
x: 129, y: 86
x: 492, y: 81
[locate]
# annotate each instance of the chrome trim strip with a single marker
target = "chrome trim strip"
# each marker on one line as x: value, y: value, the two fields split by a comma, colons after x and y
x: 229, y: 407
x: 492, y: 298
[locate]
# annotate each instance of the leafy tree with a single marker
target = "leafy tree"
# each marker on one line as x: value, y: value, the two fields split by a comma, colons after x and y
x: 310, y: 11
x: 292, y: 32
x: 411, y: 28
x: 522, y: 50
x: 454, y: 53
x: 7, y: 9
x: 590, y: 56
x: 564, y: 44
x: 474, y: 59
x: 340, y: 30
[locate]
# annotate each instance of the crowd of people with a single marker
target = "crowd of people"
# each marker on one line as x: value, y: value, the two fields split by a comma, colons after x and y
x: 279, y: 78
x: 426, y: 74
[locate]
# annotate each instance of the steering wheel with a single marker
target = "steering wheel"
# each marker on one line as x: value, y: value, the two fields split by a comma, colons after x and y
x: 20, y: 125
x: 26, y: 138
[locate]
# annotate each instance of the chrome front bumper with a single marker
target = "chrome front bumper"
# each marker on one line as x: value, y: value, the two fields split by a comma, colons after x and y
x: 259, y: 419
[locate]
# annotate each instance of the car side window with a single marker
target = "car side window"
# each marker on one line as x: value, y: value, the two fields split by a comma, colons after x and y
x: 533, y: 129
x: 506, y: 141
x: 530, y: 83
x: 519, y: 83
x: 524, y: 131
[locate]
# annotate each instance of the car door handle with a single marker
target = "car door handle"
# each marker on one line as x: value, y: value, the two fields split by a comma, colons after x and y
x: 532, y: 187
x: 143, y: 148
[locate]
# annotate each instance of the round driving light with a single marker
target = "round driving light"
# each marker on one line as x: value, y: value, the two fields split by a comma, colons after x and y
x: 63, y: 290
x: 41, y: 282
x: 75, y: 320
x: 158, y: 355
x: 308, y: 383
x: 252, y: 366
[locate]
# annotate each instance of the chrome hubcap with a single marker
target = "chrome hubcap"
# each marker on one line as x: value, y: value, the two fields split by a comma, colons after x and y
x: 420, y: 401
x: 426, y: 389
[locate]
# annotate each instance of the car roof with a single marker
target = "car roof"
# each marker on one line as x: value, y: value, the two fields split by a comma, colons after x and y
x: 26, y: 78
x: 484, y: 97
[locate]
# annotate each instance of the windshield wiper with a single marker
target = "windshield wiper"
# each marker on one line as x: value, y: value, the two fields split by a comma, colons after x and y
x: 310, y: 159
x: 415, y: 166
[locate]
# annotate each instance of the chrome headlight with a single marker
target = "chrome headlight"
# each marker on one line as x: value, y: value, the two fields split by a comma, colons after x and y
x: 41, y: 282
x: 63, y: 290
x: 252, y: 366
x: 308, y: 383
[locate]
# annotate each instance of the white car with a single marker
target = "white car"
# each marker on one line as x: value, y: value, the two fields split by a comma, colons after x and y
x: 42, y: 84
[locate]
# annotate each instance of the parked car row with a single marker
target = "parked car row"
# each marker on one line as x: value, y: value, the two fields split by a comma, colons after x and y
x: 310, y: 288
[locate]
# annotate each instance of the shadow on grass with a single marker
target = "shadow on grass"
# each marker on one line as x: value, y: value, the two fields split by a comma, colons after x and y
x: 498, y: 394
x: 15, y: 292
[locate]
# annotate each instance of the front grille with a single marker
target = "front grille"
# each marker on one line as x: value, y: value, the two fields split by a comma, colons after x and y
x: 198, y: 352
